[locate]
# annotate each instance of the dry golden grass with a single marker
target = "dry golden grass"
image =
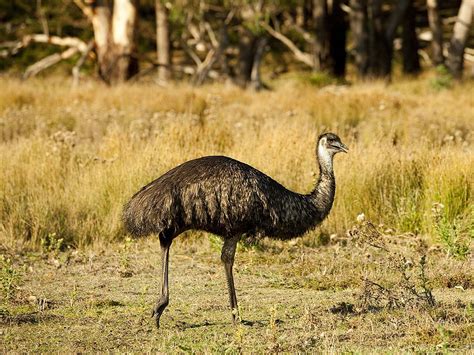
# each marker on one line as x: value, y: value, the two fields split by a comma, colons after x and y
x: 71, y: 157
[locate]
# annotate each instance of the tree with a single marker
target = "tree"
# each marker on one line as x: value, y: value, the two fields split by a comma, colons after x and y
x: 338, y: 33
x: 358, y: 20
x: 221, y: 40
x: 115, y: 37
x: 436, y: 31
x: 374, y: 35
x: 372, y: 52
x: 380, y: 44
x: 455, y: 60
x: 163, y: 41
x: 251, y: 45
x: 321, y: 50
x: 410, y: 45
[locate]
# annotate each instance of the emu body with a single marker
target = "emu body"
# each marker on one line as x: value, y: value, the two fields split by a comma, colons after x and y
x: 229, y: 198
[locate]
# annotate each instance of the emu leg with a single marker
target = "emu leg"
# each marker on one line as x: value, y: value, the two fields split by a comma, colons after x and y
x: 227, y: 257
x: 164, y: 298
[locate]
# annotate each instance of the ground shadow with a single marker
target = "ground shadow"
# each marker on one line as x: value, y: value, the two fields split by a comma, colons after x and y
x: 249, y: 323
x: 27, y: 318
x: 259, y: 323
x: 183, y: 325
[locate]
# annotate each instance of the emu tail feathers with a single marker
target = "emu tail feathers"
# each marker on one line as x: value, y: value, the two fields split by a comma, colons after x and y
x: 134, y: 221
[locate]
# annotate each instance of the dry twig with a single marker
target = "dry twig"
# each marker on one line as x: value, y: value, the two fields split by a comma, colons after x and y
x: 303, y: 57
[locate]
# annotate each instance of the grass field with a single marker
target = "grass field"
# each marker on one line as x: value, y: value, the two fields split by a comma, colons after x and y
x: 292, y: 298
x: 73, y: 281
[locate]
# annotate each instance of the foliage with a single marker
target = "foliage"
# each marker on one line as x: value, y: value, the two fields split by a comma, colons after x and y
x: 443, y: 79
x: 51, y: 243
x: 321, y: 79
x: 411, y: 288
x: 190, y: 22
x: 10, y: 278
x: 451, y: 233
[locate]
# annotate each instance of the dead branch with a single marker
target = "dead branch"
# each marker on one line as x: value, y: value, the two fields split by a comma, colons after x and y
x: 59, y: 41
x: 12, y: 48
x: 469, y: 55
x: 203, y: 69
x: 305, y: 34
x: 86, y: 10
x: 80, y: 63
x: 15, y: 47
x: 229, y: 17
x: 299, y: 55
x: 191, y: 70
x: 211, y: 34
x: 194, y: 31
x: 191, y: 53
x: 42, y: 17
x: 75, y: 45
x: 422, y: 53
x: 48, y: 61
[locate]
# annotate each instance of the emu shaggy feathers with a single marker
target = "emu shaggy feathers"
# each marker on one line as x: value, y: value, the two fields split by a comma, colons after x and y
x: 231, y: 199
x: 226, y: 197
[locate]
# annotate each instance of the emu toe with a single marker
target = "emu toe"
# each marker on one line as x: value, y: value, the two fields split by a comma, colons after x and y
x: 157, y: 311
x: 235, y: 316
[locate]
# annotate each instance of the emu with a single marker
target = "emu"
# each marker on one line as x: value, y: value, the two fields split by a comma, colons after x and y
x: 231, y: 199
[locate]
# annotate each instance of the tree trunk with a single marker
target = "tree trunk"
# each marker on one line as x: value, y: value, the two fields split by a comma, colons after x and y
x: 247, y: 44
x: 380, y: 60
x: 124, y: 21
x: 437, y: 32
x: 410, y: 45
x: 338, y: 34
x: 162, y: 42
x: 322, y: 57
x: 398, y: 14
x: 358, y: 20
x: 114, y: 34
x: 299, y: 14
x: 101, y: 16
x: 455, y: 59
x: 255, y: 80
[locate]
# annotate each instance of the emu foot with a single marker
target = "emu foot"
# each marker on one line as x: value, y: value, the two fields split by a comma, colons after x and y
x: 236, y: 316
x: 157, y: 311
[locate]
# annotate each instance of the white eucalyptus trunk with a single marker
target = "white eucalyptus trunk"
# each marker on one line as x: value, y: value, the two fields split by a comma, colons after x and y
x: 455, y: 58
x: 101, y: 25
x: 114, y: 34
x: 123, y: 39
x: 163, y: 42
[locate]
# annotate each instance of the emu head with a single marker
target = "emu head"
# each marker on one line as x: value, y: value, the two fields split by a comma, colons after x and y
x: 331, y: 144
x: 328, y: 145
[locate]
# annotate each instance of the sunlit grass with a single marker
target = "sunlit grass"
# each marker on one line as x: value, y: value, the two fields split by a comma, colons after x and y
x: 72, y: 157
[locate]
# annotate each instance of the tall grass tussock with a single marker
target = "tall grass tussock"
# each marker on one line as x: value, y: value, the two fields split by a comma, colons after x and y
x: 70, y: 158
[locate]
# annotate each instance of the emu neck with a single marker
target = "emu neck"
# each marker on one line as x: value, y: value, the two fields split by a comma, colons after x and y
x: 323, y: 194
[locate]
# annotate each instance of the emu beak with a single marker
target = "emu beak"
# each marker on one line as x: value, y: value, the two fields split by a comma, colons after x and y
x: 343, y: 147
